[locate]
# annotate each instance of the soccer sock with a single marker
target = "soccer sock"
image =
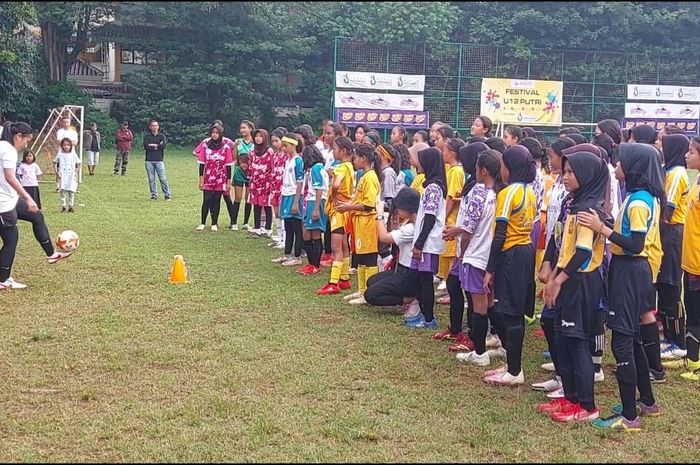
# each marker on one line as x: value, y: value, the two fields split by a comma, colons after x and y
x: 652, y: 346
x: 481, y: 325
x: 234, y: 212
x: 336, y: 272
x: 361, y: 283
x: 318, y: 251
x: 444, y: 265
x: 345, y: 271
x: 369, y: 272
x: 692, y: 342
x: 246, y: 214
x: 307, y: 245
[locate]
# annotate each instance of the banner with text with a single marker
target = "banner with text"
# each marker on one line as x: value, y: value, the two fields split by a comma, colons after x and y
x: 375, y: 101
x: 523, y: 102
x: 382, y: 119
x: 380, y: 81
x: 690, y: 126
x: 661, y: 110
x: 670, y: 93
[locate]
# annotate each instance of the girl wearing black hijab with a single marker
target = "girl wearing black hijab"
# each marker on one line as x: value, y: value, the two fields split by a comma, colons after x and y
x: 575, y: 288
x: 643, y: 134
x: 636, y: 260
x: 511, y: 265
x: 668, y: 285
x: 427, y: 240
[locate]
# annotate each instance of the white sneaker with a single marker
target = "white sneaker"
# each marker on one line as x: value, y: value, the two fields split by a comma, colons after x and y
x: 673, y: 352
x: 548, y: 366
x: 200, y: 227
x: 599, y: 377
x: 279, y: 245
x: 233, y: 227
x: 413, y: 310
x: 353, y: 296
x: 14, y: 284
x: 359, y: 301
x: 5, y: 285
x: 556, y: 394
x: 436, y: 280
x: 281, y: 259
x: 214, y: 227
x: 664, y: 344
x: 482, y: 360
x: 254, y: 231
x: 442, y: 286
x: 245, y: 227
x: 58, y: 256
x: 493, y: 342
x: 497, y: 353
x: 547, y: 386
x: 265, y: 233
x: 352, y: 271
x: 294, y: 261
x: 506, y: 379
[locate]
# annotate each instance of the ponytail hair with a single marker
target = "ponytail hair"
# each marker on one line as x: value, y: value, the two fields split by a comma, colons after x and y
x: 310, y: 156
x: 10, y: 130
x: 490, y: 160
x: 447, y: 132
x: 390, y: 150
x: 344, y: 143
x: 366, y: 151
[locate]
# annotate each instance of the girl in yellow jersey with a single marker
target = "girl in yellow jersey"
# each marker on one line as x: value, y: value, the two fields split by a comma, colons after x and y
x: 635, y: 261
x: 363, y: 216
x: 340, y: 191
x: 690, y: 262
x: 668, y: 284
x: 511, y: 263
x: 575, y: 287
x: 419, y: 179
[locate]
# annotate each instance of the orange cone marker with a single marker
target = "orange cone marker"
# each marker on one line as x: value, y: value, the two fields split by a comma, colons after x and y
x: 178, y: 273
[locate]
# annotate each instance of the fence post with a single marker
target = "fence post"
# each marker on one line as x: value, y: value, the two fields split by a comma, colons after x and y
x: 595, y: 64
x: 335, y: 68
x: 459, y: 85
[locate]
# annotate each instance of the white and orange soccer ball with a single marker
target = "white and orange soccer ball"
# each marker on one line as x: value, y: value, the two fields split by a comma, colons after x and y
x: 67, y: 241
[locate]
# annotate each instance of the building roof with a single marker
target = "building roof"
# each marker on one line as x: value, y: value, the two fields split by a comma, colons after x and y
x: 137, y: 35
x: 83, y: 68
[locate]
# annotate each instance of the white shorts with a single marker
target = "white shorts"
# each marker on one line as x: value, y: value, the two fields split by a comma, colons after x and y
x: 93, y: 158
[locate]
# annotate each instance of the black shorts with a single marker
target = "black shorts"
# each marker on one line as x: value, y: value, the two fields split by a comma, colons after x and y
x: 8, y: 219
x: 577, y: 305
x: 33, y: 192
x: 630, y: 287
x: 240, y: 184
x: 671, y: 242
x: 513, y: 280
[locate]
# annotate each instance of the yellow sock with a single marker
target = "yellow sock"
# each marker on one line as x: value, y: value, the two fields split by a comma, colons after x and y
x: 362, y: 279
x: 444, y: 266
x: 335, y: 272
x: 539, y: 258
x: 345, y: 271
x: 369, y: 272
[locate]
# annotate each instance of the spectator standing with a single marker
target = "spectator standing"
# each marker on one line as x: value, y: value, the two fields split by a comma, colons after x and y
x: 154, y: 143
x: 123, y: 139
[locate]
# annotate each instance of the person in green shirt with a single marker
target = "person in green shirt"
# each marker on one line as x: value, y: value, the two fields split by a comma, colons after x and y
x: 241, y: 148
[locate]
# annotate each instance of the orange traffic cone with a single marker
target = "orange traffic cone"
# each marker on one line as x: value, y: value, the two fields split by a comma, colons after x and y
x: 178, y: 273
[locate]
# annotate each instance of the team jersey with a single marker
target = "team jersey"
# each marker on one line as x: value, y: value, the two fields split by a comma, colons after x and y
x: 640, y: 213
x: 346, y: 174
x: 317, y: 180
x: 455, y: 185
x: 677, y: 193
x: 576, y: 236
x: 476, y: 217
x: 367, y: 193
x: 417, y: 183
x: 293, y: 175
x: 516, y: 204
x: 431, y: 203
x: 690, y: 261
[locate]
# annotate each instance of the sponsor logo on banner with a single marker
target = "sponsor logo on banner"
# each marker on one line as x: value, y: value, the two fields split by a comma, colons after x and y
x: 670, y: 93
x: 380, y: 81
x: 689, y: 126
x: 382, y: 118
x: 521, y: 101
x: 363, y: 100
x: 661, y: 110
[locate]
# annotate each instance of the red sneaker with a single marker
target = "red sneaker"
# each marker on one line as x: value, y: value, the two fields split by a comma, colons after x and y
x: 305, y: 269
x: 444, y: 335
x: 310, y: 269
x: 539, y: 332
x: 555, y: 405
x: 329, y: 289
x: 462, y: 344
x: 444, y: 300
x: 344, y: 284
x: 575, y: 413
x: 327, y: 260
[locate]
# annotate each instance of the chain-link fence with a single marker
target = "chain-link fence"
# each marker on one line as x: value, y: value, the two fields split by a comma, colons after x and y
x: 595, y: 83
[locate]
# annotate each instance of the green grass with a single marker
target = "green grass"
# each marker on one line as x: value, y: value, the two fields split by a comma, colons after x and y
x: 104, y: 360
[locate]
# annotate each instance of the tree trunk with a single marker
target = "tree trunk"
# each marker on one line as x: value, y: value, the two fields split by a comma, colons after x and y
x: 53, y: 52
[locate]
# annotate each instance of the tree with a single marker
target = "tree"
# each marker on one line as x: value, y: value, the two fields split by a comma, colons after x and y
x: 66, y: 28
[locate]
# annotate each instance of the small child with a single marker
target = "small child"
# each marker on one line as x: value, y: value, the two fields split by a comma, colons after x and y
x: 315, y: 218
x: 291, y: 205
x: 512, y: 135
x: 67, y: 166
x: 30, y: 173
x: 279, y: 158
x: 260, y: 186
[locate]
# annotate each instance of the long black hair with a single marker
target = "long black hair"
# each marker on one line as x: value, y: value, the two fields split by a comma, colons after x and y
x: 310, y: 156
x: 367, y: 151
x: 405, y: 155
x: 395, y: 163
x: 490, y: 160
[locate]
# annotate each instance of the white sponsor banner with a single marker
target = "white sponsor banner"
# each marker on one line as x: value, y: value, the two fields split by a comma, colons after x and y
x: 661, y: 110
x: 374, y: 101
x: 670, y: 93
x: 380, y: 81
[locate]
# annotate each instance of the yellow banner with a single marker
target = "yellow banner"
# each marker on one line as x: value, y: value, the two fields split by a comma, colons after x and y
x: 522, y: 102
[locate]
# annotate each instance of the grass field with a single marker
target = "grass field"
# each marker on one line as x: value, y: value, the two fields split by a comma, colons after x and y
x: 104, y: 360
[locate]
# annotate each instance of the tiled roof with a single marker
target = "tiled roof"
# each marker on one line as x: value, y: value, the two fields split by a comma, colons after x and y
x: 82, y: 68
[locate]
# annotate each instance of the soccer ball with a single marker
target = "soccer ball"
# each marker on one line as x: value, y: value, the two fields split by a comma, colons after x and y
x: 67, y: 241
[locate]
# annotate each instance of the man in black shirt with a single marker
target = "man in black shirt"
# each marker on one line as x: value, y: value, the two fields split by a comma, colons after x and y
x: 93, y: 145
x: 154, y: 144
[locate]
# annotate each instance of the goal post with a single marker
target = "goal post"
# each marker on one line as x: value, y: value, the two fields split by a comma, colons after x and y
x: 46, y: 143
